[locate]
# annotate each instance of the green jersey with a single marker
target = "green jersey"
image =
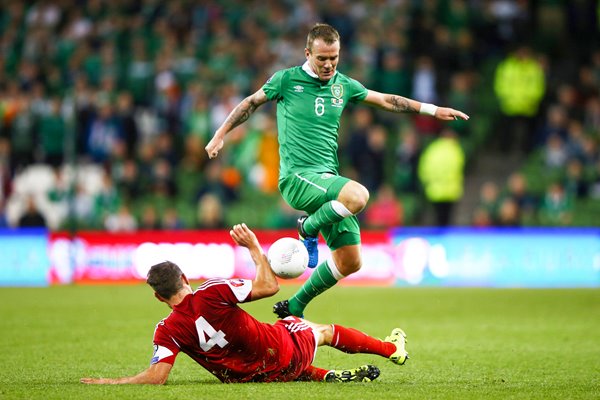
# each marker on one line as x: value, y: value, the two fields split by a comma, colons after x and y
x: 308, y: 117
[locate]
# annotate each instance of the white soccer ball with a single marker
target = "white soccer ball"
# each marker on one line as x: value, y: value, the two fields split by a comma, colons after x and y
x: 288, y: 258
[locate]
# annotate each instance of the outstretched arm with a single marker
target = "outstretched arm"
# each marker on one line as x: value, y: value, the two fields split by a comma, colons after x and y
x: 235, y: 118
x: 156, y: 374
x: 265, y: 283
x: 399, y: 104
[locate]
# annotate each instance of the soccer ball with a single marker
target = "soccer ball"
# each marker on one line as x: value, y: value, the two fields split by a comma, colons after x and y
x: 288, y: 258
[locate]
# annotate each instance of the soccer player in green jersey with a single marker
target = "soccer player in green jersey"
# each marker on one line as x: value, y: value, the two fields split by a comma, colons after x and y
x: 310, y: 100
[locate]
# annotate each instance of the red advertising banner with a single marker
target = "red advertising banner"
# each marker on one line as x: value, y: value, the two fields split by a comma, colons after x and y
x: 101, y: 257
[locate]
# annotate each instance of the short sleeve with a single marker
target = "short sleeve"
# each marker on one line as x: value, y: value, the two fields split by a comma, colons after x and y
x: 165, y: 348
x: 226, y: 291
x: 357, y: 90
x: 272, y: 87
x: 241, y: 289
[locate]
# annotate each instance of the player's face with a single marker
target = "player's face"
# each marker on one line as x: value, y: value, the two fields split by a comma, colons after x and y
x: 323, y: 58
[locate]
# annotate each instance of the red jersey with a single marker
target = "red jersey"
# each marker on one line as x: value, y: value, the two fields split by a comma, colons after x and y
x: 212, y: 329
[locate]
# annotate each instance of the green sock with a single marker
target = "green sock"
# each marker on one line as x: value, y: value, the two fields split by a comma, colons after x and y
x: 319, y: 281
x: 326, y: 215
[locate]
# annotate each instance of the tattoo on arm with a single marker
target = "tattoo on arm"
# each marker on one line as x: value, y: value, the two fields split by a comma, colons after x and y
x: 400, y: 104
x: 242, y: 112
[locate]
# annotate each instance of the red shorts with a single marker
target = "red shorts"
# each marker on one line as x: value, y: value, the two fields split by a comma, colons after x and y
x: 304, y: 347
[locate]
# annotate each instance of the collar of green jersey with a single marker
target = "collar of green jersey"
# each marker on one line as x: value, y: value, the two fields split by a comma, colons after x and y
x: 310, y: 72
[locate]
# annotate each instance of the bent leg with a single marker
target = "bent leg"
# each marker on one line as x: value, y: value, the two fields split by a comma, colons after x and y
x: 351, y: 200
x: 349, y: 340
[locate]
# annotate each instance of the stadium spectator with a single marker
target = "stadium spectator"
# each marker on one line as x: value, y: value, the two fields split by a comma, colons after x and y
x: 509, y: 214
x: 32, y: 217
x: 149, y: 219
x: 425, y: 88
x: 170, y: 220
x: 489, y: 199
x: 266, y: 165
x: 209, y: 326
x: 128, y: 125
x: 520, y: 85
x: 103, y: 132
x: 19, y: 126
x: 366, y: 153
x: 127, y: 180
x: 210, y: 212
x: 441, y: 171
x: 591, y: 120
x: 310, y: 100
x: 83, y: 206
x: 557, y: 208
x: 555, y: 152
x: 107, y: 201
x: 386, y: 211
x: 481, y: 218
x: 408, y: 153
x: 518, y: 191
x: 555, y: 123
x: 122, y: 220
x: 576, y: 184
x: 361, y: 119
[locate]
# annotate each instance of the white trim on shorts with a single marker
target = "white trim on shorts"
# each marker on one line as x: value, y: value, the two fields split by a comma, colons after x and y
x: 321, y: 188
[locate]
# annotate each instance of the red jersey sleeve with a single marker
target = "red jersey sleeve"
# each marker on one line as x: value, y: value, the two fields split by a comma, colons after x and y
x: 239, y: 290
x: 165, y: 347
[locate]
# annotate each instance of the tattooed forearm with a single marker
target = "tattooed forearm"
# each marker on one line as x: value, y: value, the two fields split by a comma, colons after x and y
x: 400, y: 104
x: 241, y: 113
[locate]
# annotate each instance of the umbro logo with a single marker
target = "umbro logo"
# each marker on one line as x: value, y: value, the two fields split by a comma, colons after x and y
x: 298, y: 88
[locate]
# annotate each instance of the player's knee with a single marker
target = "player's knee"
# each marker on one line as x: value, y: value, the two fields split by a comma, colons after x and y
x: 355, y: 197
x: 325, y: 334
x: 355, y: 266
x: 362, y: 198
x: 349, y: 267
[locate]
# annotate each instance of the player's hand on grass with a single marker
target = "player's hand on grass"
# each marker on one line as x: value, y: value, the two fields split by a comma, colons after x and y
x: 243, y: 236
x: 94, y: 381
x: 449, y: 114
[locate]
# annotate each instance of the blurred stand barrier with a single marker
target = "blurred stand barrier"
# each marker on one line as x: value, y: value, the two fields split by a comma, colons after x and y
x: 25, y: 260
x: 403, y: 257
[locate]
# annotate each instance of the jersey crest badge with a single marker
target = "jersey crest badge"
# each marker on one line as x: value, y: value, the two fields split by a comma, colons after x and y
x: 337, y: 90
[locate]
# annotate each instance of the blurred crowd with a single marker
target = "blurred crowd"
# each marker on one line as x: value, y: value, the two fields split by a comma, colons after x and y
x: 130, y: 91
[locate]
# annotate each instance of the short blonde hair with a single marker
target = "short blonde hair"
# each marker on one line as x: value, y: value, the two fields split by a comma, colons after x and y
x: 322, y: 31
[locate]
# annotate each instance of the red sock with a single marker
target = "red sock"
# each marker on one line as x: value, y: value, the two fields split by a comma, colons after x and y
x: 350, y: 340
x: 313, y: 374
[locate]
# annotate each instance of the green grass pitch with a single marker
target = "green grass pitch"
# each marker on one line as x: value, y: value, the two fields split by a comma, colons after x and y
x: 463, y: 343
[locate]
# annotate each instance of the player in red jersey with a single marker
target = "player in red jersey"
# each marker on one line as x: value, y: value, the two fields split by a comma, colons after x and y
x: 209, y: 326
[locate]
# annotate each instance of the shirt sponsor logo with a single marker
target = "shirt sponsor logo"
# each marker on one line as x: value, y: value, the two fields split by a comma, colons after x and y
x: 299, y: 89
x: 337, y: 102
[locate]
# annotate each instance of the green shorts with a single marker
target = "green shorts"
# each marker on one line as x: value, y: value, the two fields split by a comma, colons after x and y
x: 308, y: 191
